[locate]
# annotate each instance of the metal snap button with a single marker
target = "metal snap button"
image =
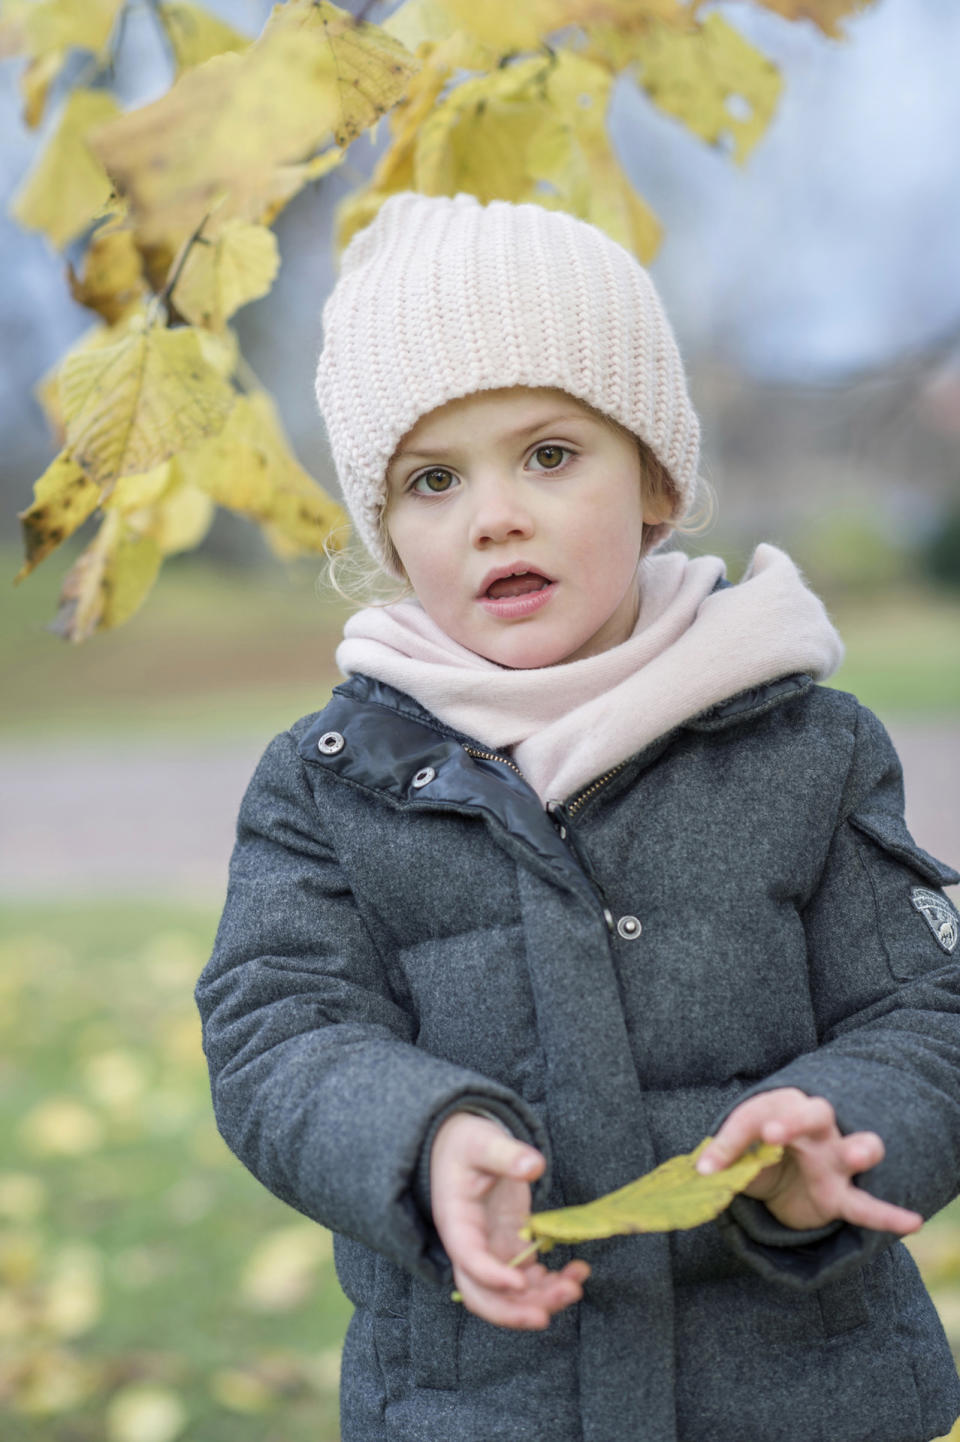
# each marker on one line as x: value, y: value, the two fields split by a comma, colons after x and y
x: 629, y: 927
x: 424, y: 777
x: 330, y: 743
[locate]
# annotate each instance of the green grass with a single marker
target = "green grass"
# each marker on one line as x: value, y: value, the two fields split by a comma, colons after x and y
x: 127, y: 1228
x: 130, y: 1237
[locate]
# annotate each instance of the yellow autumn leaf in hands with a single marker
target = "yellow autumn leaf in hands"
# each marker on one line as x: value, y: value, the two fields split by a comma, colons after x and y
x: 130, y: 406
x: 68, y: 186
x: 222, y: 274
x: 672, y: 1196
x: 195, y: 34
x: 713, y: 80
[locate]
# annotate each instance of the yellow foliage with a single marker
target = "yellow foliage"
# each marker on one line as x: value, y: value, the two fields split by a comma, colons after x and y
x: 61, y: 1126
x: 131, y: 405
x: 674, y: 1195
x: 250, y: 468
x: 63, y: 498
x: 501, y: 100
x: 68, y: 186
x: 313, y: 75
x: 145, y: 1412
x: 707, y: 77
x: 221, y: 275
x: 195, y: 34
x: 282, y: 1268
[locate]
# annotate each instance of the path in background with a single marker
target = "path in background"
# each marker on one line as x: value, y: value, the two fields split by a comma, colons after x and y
x: 159, y: 821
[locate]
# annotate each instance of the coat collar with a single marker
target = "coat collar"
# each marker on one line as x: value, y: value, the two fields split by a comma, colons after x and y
x: 381, y: 740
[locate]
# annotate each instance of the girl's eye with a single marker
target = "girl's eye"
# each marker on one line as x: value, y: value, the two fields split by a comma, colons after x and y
x: 552, y: 456
x: 435, y: 482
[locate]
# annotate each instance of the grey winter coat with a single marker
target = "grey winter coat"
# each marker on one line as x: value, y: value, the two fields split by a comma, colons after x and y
x: 738, y: 907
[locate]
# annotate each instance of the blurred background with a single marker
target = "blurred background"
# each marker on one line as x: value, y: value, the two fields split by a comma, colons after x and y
x: 149, y: 1288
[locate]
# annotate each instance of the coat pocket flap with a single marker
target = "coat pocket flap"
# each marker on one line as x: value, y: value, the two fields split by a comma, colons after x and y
x: 891, y: 834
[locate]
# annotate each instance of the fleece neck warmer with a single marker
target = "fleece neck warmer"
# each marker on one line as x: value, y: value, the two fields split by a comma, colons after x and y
x: 692, y: 646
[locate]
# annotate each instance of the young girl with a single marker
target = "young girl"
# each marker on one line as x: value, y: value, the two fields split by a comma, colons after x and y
x: 578, y: 867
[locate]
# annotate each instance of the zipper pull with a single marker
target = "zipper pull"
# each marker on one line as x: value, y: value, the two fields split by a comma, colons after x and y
x: 557, y: 814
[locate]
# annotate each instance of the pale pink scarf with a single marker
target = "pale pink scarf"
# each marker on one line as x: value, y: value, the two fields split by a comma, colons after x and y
x: 565, y: 725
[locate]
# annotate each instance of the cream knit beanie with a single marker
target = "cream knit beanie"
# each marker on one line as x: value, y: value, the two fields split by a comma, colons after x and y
x: 441, y: 296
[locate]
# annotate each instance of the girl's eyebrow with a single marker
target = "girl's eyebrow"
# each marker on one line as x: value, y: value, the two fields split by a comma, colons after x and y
x: 525, y: 430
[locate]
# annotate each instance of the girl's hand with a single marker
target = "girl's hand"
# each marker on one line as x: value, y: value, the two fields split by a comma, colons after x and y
x: 812, y: 1185
x: 480, y: 1193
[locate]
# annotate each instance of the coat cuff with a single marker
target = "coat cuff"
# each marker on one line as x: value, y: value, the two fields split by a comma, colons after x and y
x: 802, y: 1260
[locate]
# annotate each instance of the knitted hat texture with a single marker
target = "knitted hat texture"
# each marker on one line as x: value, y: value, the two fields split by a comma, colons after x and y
x: 441, y: 296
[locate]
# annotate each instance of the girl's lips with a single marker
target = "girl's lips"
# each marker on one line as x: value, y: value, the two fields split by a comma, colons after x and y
x: 513, y: 608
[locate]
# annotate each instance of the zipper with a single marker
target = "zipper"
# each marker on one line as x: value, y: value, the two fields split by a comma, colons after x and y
x: 578, y: 801
x: 493, y: 756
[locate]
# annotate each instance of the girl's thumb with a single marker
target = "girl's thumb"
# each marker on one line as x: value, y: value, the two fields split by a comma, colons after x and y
x: 526, y: 1164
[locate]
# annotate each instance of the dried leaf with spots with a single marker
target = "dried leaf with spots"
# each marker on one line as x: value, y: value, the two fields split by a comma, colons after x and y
x: 109, y: 581
x: 68, y: 186
x: 130, y: 406
x: 63, y: 498
x: 672, y: 1196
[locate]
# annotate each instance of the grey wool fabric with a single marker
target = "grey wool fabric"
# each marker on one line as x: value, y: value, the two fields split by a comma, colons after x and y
x: 391, y: 951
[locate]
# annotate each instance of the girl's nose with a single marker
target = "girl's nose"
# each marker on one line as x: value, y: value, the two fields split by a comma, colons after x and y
x: 499, y: 514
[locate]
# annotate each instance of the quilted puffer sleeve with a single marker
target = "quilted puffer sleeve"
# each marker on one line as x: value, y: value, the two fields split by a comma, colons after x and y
x: 883, y: 943
x: 317, y: 1085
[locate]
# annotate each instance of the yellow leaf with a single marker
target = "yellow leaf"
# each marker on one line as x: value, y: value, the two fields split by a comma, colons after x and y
x: 132, y: 493
x: 115, y: 1078
x: 313, y: 74
x: 13, y: 27
x: 60, y: 24
x: 195, y: 34
x: 22, y: 1196
x: 250, y: 468
x: 824, y: 13
x: 221, y: 275
x: 181, y: 520
x: 483, y: 136
x: 130, y: 406
x: 145, y: 1412
x: 35, y: 83
x: 240, y: 1391
x: 713, y: 80
x: 674, y: 1195
x: 96, y: 337
x: 67, y: 187
x: 72, y: 1301
x: 61, y: 1126
x: 109, y: 581
x: 112, y: 282
x: 395, y: 169
x: 588, y: 180
x: 282, y: 1269
x: 53, y: 1381
x: 63, y: 498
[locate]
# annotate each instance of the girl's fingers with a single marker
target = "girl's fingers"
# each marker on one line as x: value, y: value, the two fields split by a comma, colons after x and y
x: 863, y: 1210
x: 783, y: 1113
x: 547, y: 1293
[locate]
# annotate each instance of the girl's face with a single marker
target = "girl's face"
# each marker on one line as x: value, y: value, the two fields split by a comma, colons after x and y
x: 518, y: 518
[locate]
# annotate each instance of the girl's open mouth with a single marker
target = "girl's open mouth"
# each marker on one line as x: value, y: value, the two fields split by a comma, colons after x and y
x: 518, y: 595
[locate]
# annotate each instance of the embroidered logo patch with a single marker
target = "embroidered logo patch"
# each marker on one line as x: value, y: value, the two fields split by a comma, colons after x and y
x: 939, y: 915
